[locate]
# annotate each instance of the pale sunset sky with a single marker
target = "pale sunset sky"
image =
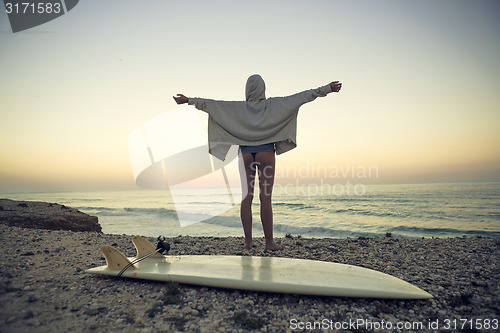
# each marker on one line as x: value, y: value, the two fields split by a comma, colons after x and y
x: 420, y: 97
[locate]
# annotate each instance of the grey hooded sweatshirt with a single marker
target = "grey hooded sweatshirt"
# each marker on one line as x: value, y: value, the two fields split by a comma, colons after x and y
x: 255, y: 121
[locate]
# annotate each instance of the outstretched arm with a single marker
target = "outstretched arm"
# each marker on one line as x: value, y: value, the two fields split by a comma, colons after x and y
x: 180, y: 99
x: 204, y: 104
x: 336, y: 86
x: 306, y: 96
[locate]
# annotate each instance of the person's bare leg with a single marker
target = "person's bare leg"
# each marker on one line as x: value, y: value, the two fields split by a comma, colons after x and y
x: 247, y: 174
x: 266, y: 164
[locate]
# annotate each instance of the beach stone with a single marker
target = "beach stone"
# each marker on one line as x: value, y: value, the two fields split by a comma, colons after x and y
x: 43, y: 215
x: 28, y: 314
x: 186, y: 310
x: 62, y: 297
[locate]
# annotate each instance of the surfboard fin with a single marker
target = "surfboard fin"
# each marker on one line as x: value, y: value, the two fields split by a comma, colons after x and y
x: 144, y: 247
x: 115, y: 260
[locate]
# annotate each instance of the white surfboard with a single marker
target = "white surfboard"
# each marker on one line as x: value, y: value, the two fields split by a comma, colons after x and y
x: 268, y: 274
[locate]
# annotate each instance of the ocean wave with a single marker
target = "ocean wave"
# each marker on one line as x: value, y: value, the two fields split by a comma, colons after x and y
x: 344, y: 199
x: 493, y: 215
x: 423, y: 214
x: 152, y: 211
x: 373, y: 199
x: 294, y: 205
x: 368, y: 212
x: 82, y: 208
x: 128, y: 211
x: 322, y: 232
x: 308, y: 231
x: 195, y: 203
x: 100, y: 211
x: 225, y: 221
x: 90, y: 199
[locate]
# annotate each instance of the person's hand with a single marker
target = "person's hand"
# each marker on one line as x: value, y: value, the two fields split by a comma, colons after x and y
x: 180, y: 99
x: 336, y: 86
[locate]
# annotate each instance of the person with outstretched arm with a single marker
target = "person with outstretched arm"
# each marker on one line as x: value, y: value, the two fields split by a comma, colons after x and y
x: 261, y: 127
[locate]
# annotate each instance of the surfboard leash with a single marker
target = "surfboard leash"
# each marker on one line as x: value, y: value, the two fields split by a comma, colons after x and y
x: 162, y: 247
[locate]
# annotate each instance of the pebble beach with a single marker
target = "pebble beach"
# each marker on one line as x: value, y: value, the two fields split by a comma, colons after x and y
x: 44, y: 287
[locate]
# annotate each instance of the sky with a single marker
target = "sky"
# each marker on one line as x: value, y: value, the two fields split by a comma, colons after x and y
x: 419, y: 101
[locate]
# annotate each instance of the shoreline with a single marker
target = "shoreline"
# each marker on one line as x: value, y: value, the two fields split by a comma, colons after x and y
x: 44, y: 287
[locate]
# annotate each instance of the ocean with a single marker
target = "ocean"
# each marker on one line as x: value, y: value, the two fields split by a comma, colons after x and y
x: 410, y: 211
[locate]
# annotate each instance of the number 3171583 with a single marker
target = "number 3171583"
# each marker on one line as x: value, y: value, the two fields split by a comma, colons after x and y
x: 33, y: 8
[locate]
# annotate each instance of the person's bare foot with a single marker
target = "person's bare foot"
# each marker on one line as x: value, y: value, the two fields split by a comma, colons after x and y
x: 248, y: 245
x: 273, y: 247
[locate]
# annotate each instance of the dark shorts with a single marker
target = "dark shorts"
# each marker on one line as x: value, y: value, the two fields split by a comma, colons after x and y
x: 257, y: 149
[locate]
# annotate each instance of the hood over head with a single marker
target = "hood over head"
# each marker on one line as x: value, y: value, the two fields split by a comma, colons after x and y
x: 255, y: 89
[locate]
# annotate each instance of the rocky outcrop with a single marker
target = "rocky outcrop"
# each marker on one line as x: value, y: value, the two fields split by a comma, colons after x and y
x: 44, y: 215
